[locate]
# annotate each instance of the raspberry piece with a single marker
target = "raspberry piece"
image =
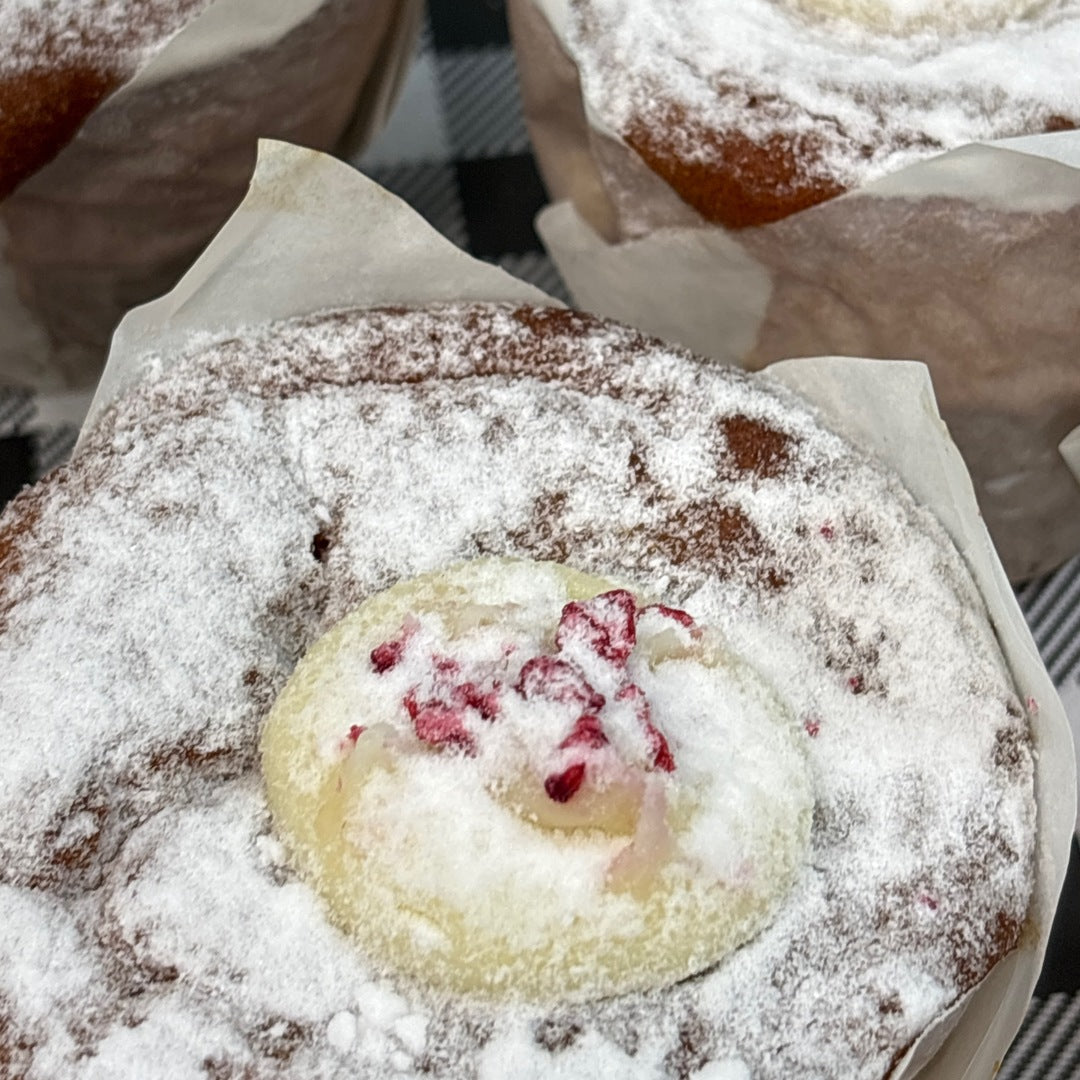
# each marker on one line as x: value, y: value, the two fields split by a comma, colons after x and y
x: 683, y: 618
x: 633, y: 692
x: 552, y: 679
x: 445, y: 665
x: 857, y: 684
x: 827, y: 531
x: 811, y: 726
x: 468, y: 695
x: 561, y: 787
x: 386, y: 655
x: 349, y: 742
x: 606, y: 624
x: 440, y: 726
x: 661, y: 752
x: 587, y: 732
x: 662, y: 758
x: 439, y: 719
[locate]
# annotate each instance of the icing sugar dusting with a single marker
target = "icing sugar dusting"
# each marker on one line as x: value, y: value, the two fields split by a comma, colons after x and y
x: 876, y: 100
x: 156, y: 594
x: 118, y: 35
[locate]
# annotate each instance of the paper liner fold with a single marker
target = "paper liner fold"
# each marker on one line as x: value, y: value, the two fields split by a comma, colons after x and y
x: 356, y: 244
x: 314, y: 235
x: 1069, y: 447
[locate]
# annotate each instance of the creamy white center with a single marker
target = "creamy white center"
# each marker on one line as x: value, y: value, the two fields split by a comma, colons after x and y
x: 511, y: 778
x: 915, y: 16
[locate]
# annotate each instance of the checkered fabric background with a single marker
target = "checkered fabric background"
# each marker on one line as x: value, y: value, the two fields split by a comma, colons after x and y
x: 456, y: 149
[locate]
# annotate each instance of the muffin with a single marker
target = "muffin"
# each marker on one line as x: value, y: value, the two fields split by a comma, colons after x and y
x: 123, y: 148
x: 653, y: 593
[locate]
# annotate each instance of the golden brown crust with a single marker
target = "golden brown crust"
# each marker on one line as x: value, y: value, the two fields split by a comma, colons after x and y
x: 738, y: 182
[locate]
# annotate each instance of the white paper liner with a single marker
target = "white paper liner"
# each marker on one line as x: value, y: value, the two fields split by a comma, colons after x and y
x: 314, y: 235
x: 355, y: 245
x: 717, y: 315
x: 227, y: 27
x: 223, y: 31
x: 1070, y: 698
x: 1069, y: 448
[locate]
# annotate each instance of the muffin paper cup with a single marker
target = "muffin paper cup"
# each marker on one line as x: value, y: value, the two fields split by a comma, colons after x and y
x: 313, y: 235
x: 969, y: 261
x: 157, y: 168
x: 1070, y: 451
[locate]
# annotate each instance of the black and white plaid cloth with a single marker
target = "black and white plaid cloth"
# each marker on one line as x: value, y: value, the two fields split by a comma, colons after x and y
x: 456, y: 149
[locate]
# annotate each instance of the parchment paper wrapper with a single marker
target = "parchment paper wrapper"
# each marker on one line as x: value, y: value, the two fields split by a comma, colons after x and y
x: 154, y: 172
x: 969, y: 262
x: 314, y: 235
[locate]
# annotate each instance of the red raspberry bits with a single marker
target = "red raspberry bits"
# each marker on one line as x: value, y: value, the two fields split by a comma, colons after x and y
x: 562, y: 787
x: 346, y: 745
x: 552, y: 679
x: 587, y: 732
x: 485, y: 701
x: 443, y: 727
x: 683, y: 618
x: 661, y: 753
x: 662, y: 758
x: 606, y: 624
x: 633, y: 692
x: 387, y: 655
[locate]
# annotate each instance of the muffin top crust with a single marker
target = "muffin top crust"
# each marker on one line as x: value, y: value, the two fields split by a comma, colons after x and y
x: 156, y: 594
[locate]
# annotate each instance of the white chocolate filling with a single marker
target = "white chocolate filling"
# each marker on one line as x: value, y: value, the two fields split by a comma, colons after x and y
x: 513, y: 779
x: 919, y: 16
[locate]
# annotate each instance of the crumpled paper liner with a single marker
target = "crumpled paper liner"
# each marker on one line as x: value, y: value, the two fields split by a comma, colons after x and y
x: 156, y: 170
x: 969, y: 262
x: 314, y: 235
x: 1070, y: 451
